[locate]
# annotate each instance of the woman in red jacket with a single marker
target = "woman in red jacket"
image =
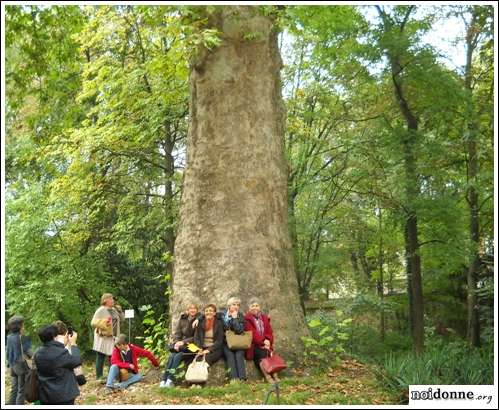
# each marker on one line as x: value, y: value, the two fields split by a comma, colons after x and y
x: 263, y: 338
x: 125, y: 356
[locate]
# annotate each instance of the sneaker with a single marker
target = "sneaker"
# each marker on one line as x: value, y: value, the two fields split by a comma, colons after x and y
x: 169, y: 384
x: 109, y: 390
x: 195, y: 386
x: 162, y: 384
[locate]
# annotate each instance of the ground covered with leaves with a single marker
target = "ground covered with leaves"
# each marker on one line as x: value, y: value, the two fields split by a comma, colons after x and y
x: 349, y: 383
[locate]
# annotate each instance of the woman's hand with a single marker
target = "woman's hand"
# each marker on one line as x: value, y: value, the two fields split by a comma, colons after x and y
x: 195, y: 323
x: 178, y: 345
x: 72, y: 338
x: 266, y: 344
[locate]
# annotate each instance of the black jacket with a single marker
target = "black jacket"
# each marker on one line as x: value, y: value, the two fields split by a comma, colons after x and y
x: 184, y: 331
x: 218, y: 335
x: 236, y: 325
x: 57, y: 382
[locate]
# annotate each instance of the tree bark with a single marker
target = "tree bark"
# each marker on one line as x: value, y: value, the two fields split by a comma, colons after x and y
x: 380, y: 282
x: 473, y: 322
x: 234, y: 237
x: 413, y: 265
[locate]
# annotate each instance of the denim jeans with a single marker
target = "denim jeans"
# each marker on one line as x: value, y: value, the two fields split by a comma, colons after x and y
x: 172, y: 371
x: 235, y: 362
x: 114, y: 374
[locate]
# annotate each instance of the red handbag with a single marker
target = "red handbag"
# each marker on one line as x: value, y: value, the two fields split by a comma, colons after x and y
x: 273, y: 364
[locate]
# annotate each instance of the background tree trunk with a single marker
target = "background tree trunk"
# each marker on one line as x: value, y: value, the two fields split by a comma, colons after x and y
x: 234, y: 236
x: 412, y: 189
x: 473, y: 326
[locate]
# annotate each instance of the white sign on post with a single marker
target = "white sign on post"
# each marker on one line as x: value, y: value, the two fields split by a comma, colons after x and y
x: 129, y: 315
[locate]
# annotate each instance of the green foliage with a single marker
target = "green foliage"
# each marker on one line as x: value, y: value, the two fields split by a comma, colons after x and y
x: 328, y: 336
x: 155, y: 332
x: 96, y: 122
x: 443, y: 362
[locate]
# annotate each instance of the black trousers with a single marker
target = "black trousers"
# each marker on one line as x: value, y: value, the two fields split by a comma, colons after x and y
x: 99, y: 364
x: 61, y: 403
x: 214, y: 356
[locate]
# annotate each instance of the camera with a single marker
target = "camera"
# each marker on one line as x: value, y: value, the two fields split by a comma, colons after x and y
x: 70, y: 331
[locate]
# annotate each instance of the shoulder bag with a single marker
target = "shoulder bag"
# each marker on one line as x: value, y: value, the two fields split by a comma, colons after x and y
x: 239, y: 342
x: 273, y: 363
x: 197, y: 372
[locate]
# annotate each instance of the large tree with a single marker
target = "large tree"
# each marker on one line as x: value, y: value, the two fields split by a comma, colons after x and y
x: 233, y: 237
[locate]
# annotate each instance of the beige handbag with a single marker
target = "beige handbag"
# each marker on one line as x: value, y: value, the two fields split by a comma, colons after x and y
x: 197, y: 372
x: 239, y: 342
x: 123, y: 375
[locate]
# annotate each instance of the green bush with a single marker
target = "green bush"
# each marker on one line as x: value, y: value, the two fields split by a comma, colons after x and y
x: 366, y: 344
x: 328, y: 335
x: 443, y: 362
x: 155, y: 333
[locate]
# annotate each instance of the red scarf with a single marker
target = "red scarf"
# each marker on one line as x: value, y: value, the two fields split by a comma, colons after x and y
x: 209, y: 323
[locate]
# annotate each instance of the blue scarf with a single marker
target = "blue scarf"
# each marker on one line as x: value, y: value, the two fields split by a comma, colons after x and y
x: 227, y: 318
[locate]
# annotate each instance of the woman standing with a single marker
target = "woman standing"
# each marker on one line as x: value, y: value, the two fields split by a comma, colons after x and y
x: 233, y: 320
x: 17, y: 344
x: 106, y: 322
x: 184, y: 334
x: 263, y: 337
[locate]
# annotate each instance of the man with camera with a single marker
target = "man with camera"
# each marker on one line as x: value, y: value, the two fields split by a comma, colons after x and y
x: 57, y: 383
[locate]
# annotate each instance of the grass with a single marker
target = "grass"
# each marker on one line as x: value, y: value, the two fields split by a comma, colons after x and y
x: 349, y: 383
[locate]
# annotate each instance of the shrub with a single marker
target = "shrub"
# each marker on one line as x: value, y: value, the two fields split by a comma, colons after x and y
x: 327, y: 338
x: 155, y: 333
x: 441, y: 363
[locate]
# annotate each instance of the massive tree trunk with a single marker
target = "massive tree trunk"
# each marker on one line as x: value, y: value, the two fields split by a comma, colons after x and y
x: 234, y: 238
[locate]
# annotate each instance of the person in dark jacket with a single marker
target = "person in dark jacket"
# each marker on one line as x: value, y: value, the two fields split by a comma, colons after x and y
x: 184, y: 334
x: 233, y: 320
x: 263, y: 337
x: 62, y: 336
x: 56, y: 380
x: 17, y: 344
x: 209, y: 335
